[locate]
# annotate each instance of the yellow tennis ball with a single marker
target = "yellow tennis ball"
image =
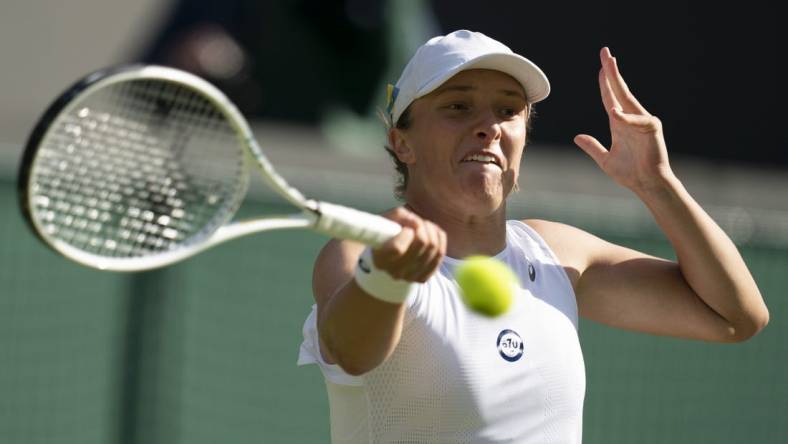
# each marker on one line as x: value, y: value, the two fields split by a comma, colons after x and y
x: 487, y: 285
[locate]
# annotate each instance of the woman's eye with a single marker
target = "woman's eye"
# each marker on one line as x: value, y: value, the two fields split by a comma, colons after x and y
x: 457, y: 107
x: 508, y: 112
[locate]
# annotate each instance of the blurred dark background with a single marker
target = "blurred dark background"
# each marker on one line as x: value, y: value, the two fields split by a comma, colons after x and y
x: 709, y: 71
x: 296, y: 57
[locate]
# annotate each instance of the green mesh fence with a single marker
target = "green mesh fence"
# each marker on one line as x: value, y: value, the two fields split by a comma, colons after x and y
x: 648, y: 389
x: 202, y: 352
x: 205, y: 351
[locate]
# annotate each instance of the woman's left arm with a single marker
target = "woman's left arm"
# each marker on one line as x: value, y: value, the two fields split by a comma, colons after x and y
x: 709, y: 266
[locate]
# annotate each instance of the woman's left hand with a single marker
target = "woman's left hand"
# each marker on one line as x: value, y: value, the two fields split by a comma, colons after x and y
x: 637, y: 158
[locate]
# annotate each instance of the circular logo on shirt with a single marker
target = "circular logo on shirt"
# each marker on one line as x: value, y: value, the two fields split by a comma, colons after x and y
x: 510, y: 345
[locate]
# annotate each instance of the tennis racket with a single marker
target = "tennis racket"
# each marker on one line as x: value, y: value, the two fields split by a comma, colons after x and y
x: 138, y: 167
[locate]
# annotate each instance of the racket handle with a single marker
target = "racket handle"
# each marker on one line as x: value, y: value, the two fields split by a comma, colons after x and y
x: 347, y: 223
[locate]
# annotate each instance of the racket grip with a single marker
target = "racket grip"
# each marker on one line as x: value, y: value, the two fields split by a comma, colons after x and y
x: 347, y: 223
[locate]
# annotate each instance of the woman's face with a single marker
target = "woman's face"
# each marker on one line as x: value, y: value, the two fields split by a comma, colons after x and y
x: 466, y: 141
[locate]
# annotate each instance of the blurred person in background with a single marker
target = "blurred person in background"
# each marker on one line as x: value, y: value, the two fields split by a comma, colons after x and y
x: 334, y: 49
x: 406, y: 361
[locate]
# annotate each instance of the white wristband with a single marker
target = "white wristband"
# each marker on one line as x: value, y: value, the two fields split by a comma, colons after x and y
x: 378, y: 283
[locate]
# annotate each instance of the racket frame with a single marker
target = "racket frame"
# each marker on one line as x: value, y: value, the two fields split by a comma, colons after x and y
x: 333, y: 220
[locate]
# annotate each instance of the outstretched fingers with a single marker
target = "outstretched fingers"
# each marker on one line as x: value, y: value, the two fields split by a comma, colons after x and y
x: 592, y: 147
x: 606, y: 91
x: 642, y: 122
x: 615, y: 85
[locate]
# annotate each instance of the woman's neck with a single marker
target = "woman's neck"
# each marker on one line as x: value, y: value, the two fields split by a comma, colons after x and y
x: 467, y: 232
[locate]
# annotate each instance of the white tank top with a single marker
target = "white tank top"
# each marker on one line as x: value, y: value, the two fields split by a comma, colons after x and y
x: 459, y: 377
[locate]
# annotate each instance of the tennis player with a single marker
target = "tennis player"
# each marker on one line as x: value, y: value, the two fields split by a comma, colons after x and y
x: 406, y: 361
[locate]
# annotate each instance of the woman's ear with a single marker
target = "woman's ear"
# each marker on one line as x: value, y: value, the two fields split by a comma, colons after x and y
x: 399, y: 144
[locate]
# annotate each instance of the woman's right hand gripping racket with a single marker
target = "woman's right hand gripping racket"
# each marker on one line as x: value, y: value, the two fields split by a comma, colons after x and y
x: 139, y: 167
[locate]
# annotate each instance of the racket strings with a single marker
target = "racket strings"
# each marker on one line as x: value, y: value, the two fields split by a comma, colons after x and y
x: 137, y: 168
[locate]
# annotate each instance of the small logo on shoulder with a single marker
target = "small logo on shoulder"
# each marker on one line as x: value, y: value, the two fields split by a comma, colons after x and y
x: 510, y: 345
x: 363, y: 265
x: 531, y: 271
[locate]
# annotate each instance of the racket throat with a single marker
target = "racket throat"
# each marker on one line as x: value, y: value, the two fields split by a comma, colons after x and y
x: 244, y: 227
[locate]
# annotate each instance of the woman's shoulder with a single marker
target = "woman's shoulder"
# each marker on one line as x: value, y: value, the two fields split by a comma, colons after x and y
x: 571, y: 245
